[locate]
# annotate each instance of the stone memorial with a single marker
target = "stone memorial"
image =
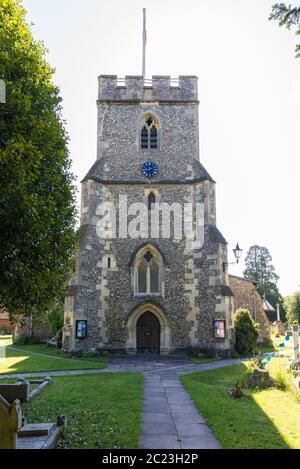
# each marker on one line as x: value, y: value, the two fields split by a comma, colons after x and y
x: 260, y: 379
x: 295, y: 362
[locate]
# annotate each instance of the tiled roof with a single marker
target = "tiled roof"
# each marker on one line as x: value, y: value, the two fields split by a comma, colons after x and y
x: 268, y: 307
x: 216, y: 235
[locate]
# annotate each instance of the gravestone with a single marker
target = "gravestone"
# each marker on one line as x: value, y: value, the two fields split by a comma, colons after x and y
x: 19, y: 390
x: 296, y: 353
x: 278, y: 328
x: 260, y: 378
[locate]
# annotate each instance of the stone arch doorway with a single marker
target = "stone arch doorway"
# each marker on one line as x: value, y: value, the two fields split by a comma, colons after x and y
x: 148, y: 333
x: 163, y: 331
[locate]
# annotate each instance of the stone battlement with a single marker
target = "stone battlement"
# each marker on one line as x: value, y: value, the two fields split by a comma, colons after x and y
x: 159, y: 88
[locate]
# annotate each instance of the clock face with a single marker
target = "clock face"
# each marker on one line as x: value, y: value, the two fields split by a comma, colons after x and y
x: 149, y: 169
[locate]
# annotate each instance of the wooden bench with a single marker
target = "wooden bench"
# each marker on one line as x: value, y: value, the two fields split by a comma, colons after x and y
x: 10, y: 423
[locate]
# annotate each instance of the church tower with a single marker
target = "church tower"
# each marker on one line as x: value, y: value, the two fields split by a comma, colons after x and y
x: 143, y: 287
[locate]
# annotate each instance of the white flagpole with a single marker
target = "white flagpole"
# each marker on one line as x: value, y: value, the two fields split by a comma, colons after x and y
x: 278, y: 312
x: 144, y: 43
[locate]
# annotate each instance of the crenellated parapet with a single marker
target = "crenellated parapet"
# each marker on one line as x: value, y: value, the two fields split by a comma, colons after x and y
x: 159, y: 88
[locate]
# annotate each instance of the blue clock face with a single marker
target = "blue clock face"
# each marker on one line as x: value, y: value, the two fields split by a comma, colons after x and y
x: 149, y: 169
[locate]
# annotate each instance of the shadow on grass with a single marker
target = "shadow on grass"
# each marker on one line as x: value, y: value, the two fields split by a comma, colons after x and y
x: 23, y: 361
x: 243, y: 423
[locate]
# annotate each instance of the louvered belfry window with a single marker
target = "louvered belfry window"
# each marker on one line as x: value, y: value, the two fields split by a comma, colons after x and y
x: 149, y: 134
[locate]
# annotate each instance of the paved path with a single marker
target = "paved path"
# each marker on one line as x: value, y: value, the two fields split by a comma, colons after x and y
x: 145, y: 366
x: 165, y: 365
x: 170, y: 420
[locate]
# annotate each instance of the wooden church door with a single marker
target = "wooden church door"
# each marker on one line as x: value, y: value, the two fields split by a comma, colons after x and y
x: 148, y: 334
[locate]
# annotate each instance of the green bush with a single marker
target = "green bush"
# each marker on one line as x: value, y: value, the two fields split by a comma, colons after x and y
x: 246, y: 332
x: 91, y: 354
x: 56, y: 318
x: 21, y: 340
x: 26, y: 340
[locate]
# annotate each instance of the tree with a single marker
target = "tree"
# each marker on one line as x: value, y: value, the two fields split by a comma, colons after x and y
x: 292, y: 306
x: 37, y: 200
x: 259, y: 267
x: 287, y: 16
x: 246, y: 332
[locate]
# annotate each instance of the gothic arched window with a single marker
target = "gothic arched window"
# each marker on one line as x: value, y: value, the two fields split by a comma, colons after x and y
x: 149, y: 133
x: 148, y: 272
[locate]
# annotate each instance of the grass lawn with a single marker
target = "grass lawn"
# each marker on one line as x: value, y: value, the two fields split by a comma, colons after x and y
x: 262, y: 419
x: 39, y: 348
x: 23, y: 360
x: 274, y: 345
x: 102, y: 410
x: 199, y: 360
x: 42, y: 348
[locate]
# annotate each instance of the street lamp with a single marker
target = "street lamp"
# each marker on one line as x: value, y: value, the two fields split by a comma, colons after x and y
x: 237, y: 251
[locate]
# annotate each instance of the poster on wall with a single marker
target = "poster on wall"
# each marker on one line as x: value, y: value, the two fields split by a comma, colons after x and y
x: 219, y: 329
x: 81, y: 329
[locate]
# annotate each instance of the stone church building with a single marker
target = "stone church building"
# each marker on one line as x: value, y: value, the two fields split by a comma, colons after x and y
x: 148, y: 293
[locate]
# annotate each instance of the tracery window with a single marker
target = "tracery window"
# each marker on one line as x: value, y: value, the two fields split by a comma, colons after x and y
x: 149, y: 133
x: 148, y: 272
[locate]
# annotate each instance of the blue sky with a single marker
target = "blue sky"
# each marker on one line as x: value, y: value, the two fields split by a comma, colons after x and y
x: 249, y: 91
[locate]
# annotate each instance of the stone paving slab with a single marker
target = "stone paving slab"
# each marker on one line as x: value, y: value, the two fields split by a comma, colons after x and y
x: 159, y: 442
x: 204, y: 443
x: 190, y: 417
x: 190, y: 430
x: 159, y: 428
x: 161, y: 407
x: 33, y: 442
x: 149, y: 393
x: 153, y: 417
x: 36, y: 429
x: 185, y: 409
x: 170, y: 419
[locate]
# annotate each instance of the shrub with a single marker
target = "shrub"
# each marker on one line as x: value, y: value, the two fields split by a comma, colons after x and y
x: 91, y: 354
x: 21, y: 340
x: 56, y: 318
x: 246, y: 332
x: 26, y: 340
x: 281, y: 376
